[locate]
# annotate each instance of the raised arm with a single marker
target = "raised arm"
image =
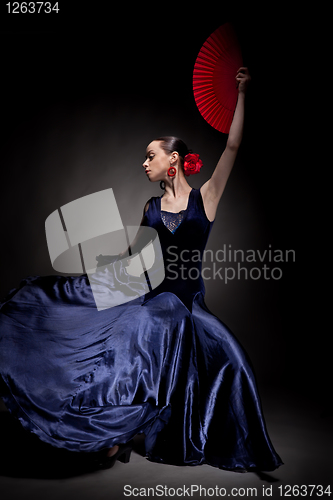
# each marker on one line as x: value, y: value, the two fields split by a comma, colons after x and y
x: 212, y: 190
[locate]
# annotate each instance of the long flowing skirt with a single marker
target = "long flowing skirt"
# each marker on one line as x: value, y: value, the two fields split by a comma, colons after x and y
x: 85, y: 380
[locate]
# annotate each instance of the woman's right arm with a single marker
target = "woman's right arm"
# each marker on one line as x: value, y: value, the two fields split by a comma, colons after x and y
x: 140, y: 240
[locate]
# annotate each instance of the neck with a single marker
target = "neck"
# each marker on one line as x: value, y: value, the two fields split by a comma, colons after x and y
x: 176, y: 187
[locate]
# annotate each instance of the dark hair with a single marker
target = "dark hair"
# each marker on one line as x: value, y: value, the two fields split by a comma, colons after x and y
x: 170, y: 144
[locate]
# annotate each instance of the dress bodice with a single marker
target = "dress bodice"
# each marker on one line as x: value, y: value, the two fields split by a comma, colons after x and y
x: 182, y: 249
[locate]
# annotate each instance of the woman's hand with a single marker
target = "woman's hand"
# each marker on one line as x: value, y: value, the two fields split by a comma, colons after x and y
x: 243, y: 79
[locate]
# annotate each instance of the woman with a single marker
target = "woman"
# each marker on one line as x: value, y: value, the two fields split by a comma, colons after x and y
x: 161, y: 364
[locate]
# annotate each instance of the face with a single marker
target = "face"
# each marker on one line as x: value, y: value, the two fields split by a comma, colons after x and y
x: 157, y: 162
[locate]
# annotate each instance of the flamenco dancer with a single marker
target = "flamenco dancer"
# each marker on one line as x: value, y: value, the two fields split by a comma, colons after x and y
x: 162, y: 364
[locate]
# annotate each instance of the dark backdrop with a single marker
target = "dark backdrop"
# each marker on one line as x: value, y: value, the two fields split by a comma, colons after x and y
x: 83, y: 95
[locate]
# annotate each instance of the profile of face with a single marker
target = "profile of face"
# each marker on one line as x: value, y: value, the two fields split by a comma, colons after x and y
x: 158, y: 162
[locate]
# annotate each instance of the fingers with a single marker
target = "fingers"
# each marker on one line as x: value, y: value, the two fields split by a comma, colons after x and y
x: 242, y: 74
x: 242, y: 79
x: 243, y: 69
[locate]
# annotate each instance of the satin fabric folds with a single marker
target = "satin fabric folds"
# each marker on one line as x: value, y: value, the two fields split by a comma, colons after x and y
x: 85, y: 380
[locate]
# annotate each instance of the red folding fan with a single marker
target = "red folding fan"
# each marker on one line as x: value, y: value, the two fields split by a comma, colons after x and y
x: 214, y: 83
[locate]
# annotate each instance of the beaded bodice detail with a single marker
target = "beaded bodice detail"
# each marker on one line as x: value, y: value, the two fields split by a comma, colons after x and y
x: 172, y: 220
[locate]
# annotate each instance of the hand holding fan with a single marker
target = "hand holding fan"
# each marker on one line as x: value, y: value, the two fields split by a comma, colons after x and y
x: 214, y: 84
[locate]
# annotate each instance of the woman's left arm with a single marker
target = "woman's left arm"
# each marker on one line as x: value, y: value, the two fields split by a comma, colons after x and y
x: 212, y: 190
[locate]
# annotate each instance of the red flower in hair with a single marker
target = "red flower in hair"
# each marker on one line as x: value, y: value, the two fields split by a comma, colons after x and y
x: 192, y: 164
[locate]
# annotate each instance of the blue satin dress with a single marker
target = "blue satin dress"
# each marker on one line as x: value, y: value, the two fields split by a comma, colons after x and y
x: 161, y: 364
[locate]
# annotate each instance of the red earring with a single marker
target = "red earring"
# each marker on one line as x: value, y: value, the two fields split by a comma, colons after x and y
x: 171, y: 171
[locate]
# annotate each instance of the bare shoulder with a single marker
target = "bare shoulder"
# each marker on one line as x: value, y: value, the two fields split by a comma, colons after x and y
x: 146, y: 207
x: 210, y: 202
x: 144, y: 211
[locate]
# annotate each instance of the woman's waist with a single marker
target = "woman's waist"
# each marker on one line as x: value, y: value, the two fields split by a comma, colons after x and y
x: 184, y: 289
